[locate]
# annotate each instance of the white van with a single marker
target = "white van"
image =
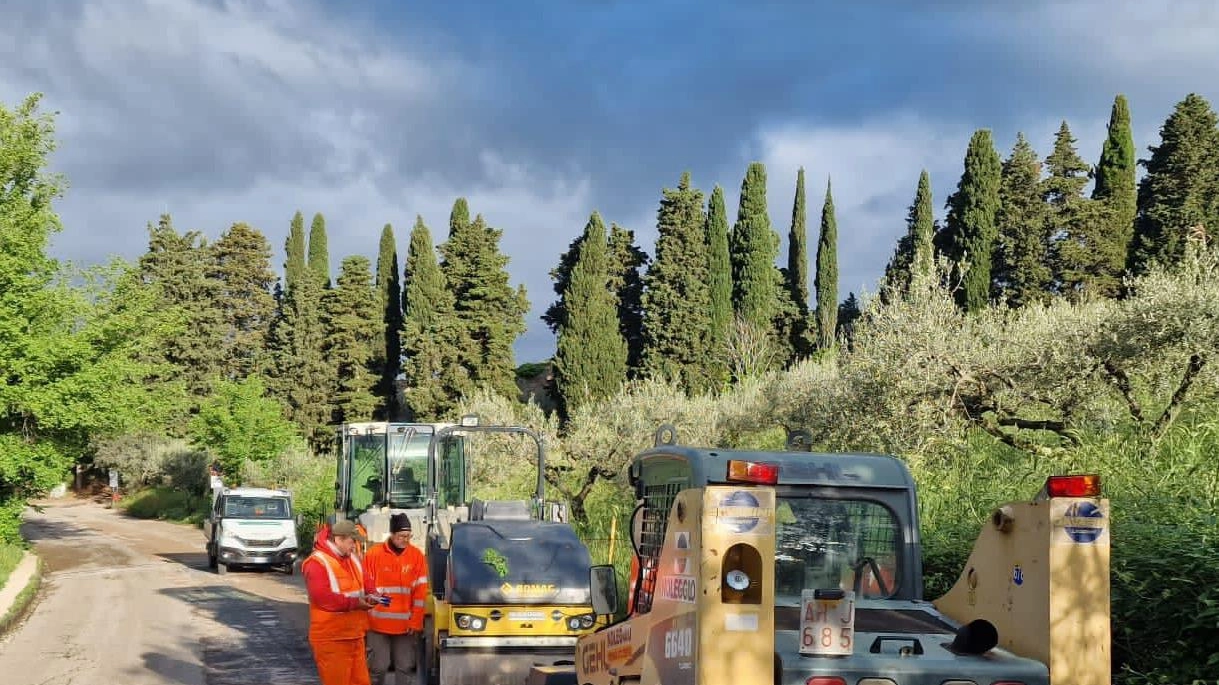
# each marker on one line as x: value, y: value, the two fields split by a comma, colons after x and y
x: 251, y: 527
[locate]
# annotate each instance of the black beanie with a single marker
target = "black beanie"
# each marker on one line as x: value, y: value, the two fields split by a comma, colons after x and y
x: 399, y: 522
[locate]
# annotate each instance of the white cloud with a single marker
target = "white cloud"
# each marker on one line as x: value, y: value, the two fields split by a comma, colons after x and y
x: 873, y: 167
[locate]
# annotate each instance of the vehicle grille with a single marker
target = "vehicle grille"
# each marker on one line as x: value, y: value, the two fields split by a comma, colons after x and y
x: 261, y: 544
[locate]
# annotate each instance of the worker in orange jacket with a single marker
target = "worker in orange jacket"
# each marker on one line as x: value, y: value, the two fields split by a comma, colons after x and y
x: 340, y: 595
x: 398, y: 571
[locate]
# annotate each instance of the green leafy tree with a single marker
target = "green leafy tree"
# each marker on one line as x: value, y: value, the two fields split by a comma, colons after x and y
x: 754, y: 247
x: 676, y: 297
x: 1179, y: 195
x: 71, y: 357
x: 590, y: 362
x: 387, y: 359
x: 240, y: 423
x: 319, y: 251
x: 1022, y: 272
x: 968, y: 236
x: 353, y: 320
x: 826, y: 278
x: 1116, y: 174
x: 434, y: 377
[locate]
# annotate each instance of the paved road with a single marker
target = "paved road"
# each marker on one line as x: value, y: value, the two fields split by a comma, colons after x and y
x: 130, y: 601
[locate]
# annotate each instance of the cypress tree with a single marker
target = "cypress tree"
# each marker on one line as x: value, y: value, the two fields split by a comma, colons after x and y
x: 796, y: 275
x: 826, y: 278
x: 434, y: 378
x: 301, y: 375
x: 590, y: 361
x: 319, y: 252
x: 1021, y: 269
x: 177, y: 264
x: 241, y: 266
x: 387, y: 360
x: 677, y: 297
x: 1116, y: 174
x: 294, y: 247
x: 719, y: 280
x: 555, y: 315
x: 491, y: 312
x: 754, y: 248
x: 1180, y: 191
x: 968, y: 237
x: 915, y: 252
x: 626, y: 260
x: 353, y: 322
x: 1086, y: 248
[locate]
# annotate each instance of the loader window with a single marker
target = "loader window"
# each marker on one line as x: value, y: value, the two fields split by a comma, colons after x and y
x: 367, y: 472
x: 408, y: 469
x: 834, y: 543
x: 451, y: 471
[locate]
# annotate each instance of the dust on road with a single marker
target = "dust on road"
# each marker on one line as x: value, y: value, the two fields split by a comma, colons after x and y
x: 131, y: 601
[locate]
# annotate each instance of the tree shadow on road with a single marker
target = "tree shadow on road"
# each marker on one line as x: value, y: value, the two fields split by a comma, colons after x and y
x: 198, y: 562
x: 255, y: 639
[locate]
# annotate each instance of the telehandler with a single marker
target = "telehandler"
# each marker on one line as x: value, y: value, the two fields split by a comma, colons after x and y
x: 509, y: 579
x: 802, y: 568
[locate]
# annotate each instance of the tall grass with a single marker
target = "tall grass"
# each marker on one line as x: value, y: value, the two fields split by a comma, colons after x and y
x: 1164, y: 499
x: 10, y: 556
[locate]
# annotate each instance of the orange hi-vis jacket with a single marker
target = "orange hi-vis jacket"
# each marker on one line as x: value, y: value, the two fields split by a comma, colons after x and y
x: 402, y: 577
x: 334, y: 595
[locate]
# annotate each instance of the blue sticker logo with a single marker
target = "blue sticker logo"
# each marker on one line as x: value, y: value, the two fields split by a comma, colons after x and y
x: 1017, y: 575
x: 739, y: 500
x: 1084, y: 522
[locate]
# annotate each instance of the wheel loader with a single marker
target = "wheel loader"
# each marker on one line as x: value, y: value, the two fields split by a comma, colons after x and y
x: 803, y: 568
x: 508, y: 580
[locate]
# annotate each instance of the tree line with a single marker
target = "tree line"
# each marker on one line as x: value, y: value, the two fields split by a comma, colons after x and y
x: 194, y: 320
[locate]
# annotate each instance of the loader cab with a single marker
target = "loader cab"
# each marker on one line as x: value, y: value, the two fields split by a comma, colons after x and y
x: 385, y: 467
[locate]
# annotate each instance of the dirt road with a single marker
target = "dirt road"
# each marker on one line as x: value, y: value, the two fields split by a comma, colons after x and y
x: 130, y: 601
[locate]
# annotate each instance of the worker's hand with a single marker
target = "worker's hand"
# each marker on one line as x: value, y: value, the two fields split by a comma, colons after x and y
x: 367, y: 602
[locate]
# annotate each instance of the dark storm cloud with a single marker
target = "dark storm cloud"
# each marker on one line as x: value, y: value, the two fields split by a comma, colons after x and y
x: 540, y: 112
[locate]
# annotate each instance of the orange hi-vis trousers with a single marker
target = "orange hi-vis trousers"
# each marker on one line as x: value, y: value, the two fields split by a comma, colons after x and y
x: 341, y: 662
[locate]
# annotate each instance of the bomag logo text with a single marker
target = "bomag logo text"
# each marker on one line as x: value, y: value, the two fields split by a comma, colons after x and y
x: 528, y: 589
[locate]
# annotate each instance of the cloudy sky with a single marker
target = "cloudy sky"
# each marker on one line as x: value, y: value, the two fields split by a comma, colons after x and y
x: 540, y: 111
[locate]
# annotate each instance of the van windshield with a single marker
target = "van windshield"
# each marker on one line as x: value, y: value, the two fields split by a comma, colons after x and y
x: 245, y: 507
x: 824, y: 543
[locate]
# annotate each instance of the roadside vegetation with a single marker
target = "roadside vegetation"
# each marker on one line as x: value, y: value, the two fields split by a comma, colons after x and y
x: 1035, y: 331
x: 10, y: 556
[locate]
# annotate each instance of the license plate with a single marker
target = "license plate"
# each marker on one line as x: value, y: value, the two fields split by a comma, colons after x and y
x: 827, y: 625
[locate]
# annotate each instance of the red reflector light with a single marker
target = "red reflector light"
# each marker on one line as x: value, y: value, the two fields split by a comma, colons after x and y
x: 825, y: 680
x: 1087, y: 485
x: 753, y: 472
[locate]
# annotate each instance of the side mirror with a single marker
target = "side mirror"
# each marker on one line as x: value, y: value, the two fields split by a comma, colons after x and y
x: 299, y: 519
x: 605, y: 590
